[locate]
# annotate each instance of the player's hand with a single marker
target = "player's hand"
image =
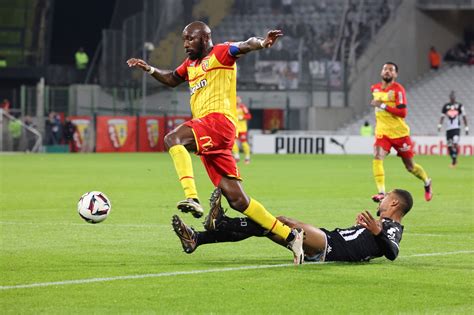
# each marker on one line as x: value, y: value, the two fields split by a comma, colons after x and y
x: 375, y: 103
x: 439, y: 127
x: 366, y: 220
x: 139, y: 63
x: 466, y: 129
x: 271, y: 38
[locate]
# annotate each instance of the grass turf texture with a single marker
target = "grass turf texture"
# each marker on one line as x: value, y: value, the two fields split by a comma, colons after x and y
x: 44, y: 240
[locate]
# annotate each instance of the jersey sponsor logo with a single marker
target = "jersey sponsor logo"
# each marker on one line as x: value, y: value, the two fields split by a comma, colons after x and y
x: 201, y: 84
x: 391, y: 95
x: 452, y: 113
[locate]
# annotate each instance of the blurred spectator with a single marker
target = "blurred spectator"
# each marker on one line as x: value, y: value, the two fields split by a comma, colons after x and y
x: 14, y: 127
x: 68, y: 132
x: 5, y: 105
x: 53, y: 129
x: 82, y: 59
x: 3, y: 62
x: 435, y: 58
x: 30, y: 137
x: 366, y: 129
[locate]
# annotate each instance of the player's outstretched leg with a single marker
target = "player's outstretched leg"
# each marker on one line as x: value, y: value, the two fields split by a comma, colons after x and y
x: 238, y: 200
x: 186, y: 234
x: 216, y: 213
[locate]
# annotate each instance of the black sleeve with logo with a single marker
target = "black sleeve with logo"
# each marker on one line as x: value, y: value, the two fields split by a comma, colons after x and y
x: 359, y: 244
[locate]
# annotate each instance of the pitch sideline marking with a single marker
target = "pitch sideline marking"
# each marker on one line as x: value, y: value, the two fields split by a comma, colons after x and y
x: 191, y: 272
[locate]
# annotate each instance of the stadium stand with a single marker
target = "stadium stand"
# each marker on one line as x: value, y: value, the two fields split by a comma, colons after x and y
x: 21, y: 33
x: 425, y: 98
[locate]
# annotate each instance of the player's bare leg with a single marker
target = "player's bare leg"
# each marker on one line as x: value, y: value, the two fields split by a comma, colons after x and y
x: 238, y: 200
x: 179, y: 142
x: 314, y: 240
x: 420, y: 173
x: 379, y: 172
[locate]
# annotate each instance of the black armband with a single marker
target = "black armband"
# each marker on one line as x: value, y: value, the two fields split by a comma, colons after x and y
x: 401, y: 106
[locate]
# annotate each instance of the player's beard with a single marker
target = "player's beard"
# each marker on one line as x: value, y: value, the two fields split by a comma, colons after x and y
x: 387, y: 79
x: 198, y: 53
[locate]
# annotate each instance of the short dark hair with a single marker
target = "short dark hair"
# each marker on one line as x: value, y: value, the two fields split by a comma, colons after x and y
x: 405, y: 198
x: 393, y: 64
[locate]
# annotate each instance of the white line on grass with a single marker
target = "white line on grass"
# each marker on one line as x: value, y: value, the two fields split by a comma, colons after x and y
x: 85, y: 224
x: 191, y: 272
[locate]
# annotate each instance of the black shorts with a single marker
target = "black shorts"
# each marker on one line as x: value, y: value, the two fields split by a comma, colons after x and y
x: 336, y: 249
x: 453, y: 136
x: 355, y: 246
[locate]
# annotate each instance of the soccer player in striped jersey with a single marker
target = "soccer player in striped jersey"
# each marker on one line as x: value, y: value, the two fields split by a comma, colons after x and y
x: 391, y: 130
x: 368, y: 238
x: 211, y: 73
x: 243, y: 115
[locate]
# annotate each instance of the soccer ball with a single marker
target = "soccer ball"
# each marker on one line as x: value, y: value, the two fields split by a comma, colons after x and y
x: 94, y: 207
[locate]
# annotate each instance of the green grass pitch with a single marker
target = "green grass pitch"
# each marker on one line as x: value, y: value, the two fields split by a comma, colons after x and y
x: 43, y: 239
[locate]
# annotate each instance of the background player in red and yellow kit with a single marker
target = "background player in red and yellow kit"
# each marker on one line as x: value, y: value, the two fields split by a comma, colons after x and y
x: 211, y: 73
x: 391, y: 131
x: 243, y: 115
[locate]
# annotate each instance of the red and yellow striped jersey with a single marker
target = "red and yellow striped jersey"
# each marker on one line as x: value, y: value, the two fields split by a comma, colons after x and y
x: 212, y: 82
x: 388, y: 124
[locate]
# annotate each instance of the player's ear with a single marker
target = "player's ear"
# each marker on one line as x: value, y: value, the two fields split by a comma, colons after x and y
x: 395, y: 202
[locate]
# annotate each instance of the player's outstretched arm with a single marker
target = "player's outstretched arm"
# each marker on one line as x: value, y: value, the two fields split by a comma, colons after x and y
x: 167, y: 77
x: 257, y: 43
